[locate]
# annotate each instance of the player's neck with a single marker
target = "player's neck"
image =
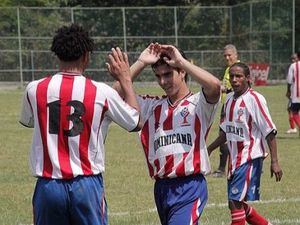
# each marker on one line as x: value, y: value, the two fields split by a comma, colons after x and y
x: 71, y: 67
x: 180, y: 95
x: 240, y: 93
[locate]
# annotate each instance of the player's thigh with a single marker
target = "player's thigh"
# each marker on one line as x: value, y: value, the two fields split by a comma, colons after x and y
x: 190, y: 207
x: 88, y: 201
x: 245, y: 182
x: 50, y: 203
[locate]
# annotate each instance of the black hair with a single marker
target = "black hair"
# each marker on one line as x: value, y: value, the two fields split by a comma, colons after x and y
x: 71, y: 42
x: 161, y: 61
x: 244, y: 66
x: 298, y: 54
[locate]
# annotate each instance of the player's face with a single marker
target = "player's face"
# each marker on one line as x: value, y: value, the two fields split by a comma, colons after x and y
x: 294, y: 58
x: 169, y: 79
x: 230, y: 56
x: 238, y: 80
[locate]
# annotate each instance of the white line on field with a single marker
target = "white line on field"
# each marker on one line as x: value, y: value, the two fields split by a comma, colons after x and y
x: 210, y: 205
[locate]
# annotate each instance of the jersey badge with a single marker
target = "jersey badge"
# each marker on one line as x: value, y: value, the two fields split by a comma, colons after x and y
x: 240, y: 113
x: 184, y: 113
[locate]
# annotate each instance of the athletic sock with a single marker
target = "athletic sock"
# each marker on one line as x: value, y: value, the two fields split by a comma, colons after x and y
x: 252, y: 217
x: 296, y: 117
x: 291, y: 120
x: 238, y: 217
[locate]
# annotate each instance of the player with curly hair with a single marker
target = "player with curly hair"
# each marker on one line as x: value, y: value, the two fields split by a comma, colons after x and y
x: 70, y: 115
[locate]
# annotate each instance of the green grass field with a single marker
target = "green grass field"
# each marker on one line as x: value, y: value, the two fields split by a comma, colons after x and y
x: 129, y: 190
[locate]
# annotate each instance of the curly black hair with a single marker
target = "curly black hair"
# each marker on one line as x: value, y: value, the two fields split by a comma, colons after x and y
x: 71, y: 42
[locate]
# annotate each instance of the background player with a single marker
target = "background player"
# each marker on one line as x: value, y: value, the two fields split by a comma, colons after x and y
x: 292, y: 128
x: 293, y: 89
x: 247, y: 127
x: 174, y: 130
x: 231, y: 57
x: 70, y: 115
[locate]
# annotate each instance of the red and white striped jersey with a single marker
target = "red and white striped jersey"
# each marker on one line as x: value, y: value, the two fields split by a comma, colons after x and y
x: 70, y: 115
x: 173, y: 137
x: 293, y: 78
x: 246, y: 124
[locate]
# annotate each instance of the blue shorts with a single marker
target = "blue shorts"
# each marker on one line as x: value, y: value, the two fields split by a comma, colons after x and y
x: 244, y: 184
x: 180, y: 201
x: 79, y: 201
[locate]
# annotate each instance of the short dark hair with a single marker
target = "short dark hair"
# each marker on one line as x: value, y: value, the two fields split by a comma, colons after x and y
x: 244, y: 66
x: 161, y: 61
x: 71, y: 42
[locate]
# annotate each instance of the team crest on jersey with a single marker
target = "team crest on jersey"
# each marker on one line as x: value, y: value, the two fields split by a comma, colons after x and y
x: 184, y: 113
x: 240, y: 113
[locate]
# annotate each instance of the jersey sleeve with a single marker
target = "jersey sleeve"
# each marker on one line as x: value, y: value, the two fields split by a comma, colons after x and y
x: 120, y: 112
x: 209, y: 109
x: 147, y: 103
x: 260, y: 113
x: 290, y: 75
x: 27, y: 117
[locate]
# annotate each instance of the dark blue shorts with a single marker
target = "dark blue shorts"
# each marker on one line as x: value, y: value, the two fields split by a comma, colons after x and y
x: 180, y: 201
x: 244, y: 184
x: 79, y: 201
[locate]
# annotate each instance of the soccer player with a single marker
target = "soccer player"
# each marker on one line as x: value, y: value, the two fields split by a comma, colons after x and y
x: 70, y: 115
x: 175, y: 127
x: 291, y: 112
x: 248, y: 129
x: 231, y: 57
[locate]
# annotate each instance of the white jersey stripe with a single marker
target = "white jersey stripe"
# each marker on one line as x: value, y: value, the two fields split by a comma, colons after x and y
x: 52, y: 139
x: 79, y: 84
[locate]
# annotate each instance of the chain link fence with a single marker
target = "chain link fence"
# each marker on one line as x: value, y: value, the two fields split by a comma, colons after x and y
x: 263, y: 32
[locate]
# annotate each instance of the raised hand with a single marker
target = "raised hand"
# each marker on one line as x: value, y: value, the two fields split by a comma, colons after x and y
x: 150, y: 55
x: 118, y: 64
x: 174, y: 57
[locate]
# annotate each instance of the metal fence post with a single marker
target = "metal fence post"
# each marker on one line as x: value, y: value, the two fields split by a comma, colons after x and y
x: 32, y: 65
x: 175, y: 26
x: 124, y: 30
x: 20, y: 48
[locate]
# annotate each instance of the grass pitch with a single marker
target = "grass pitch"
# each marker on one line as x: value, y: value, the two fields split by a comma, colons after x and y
x: 129, y: 190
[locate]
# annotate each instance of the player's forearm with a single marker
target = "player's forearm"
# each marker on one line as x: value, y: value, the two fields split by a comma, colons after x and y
x: 271, y: 140
x: 128, y: 93
x: 211, y: 85
x: 221, y: 139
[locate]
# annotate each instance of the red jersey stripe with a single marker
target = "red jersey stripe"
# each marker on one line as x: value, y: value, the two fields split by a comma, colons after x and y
x: 145, y: 143
x: 180, y: 169
x: 87, y: 118
x: 251, y: 138
x: 196, y: 160
x: 261, y: 109
x: 231, y: 109
x: 41, y: 99
x: 65, y: 96
x: 240, y: 147
x: 169, y: 165
x: 168, y: 123
x: 157, y: 112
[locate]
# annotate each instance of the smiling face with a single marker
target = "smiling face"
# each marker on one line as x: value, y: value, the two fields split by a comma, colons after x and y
x: 171, y: 80
x: 239, y: 80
